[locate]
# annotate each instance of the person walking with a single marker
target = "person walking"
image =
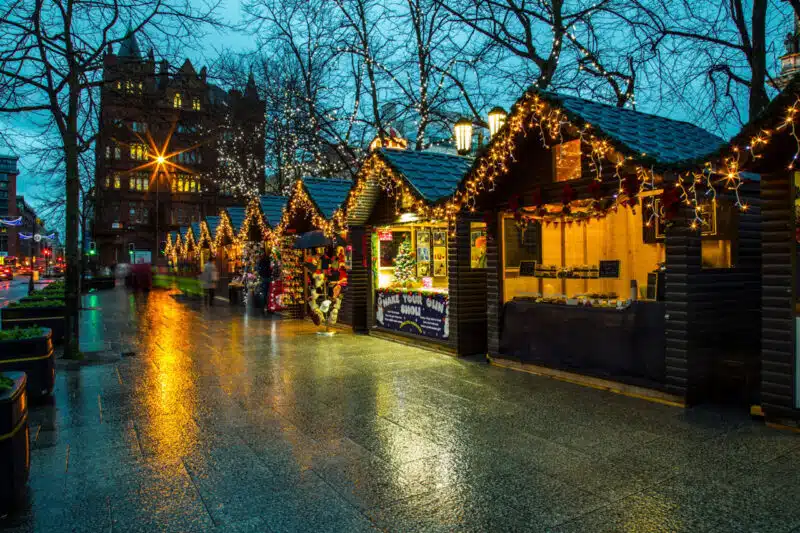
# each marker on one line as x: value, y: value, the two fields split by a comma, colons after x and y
x: 208, y: 280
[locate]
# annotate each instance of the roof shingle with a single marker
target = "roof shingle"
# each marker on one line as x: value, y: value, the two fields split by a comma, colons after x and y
x: 652, y: 137
x: 237, y: 215
x: 272, y: 208
x: 433, y: 175
x: 327, y: 194
x: 212, y: 222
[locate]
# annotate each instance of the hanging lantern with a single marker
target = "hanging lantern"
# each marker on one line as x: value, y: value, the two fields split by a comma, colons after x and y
x: 497, y: 117
x: 463, y: 132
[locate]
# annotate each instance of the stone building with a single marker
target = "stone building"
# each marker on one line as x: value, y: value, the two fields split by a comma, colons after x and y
x: 158, y: 155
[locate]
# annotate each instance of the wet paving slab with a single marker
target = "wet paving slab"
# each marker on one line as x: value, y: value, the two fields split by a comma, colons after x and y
x: 191, y: 419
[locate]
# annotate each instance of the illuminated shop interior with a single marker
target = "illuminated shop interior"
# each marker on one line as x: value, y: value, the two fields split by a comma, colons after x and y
x: 427, y: 244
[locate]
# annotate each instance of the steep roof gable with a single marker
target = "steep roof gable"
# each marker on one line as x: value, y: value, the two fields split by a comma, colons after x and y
x: 434, y: 176
x: 327, y: 194
x: 272, y: 208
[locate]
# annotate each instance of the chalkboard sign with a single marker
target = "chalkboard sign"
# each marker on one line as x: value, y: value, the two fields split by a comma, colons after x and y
x: 609, y: 269
x: 519, y: 246
x: 527, y: 268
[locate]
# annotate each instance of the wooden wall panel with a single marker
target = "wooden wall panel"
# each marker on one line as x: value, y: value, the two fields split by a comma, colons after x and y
x: 467, y: 288
x: 778, y: 294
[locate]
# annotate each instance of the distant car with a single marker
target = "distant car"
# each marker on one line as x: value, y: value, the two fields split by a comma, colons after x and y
x: 6, y: 273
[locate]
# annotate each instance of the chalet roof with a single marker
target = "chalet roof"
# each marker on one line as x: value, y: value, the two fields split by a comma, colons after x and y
x: 195, y: 230
x: 184, y: 230
x: 272, y: 208
x: 237, y: 214
x: 129, y: 47
x: 212, y: 221
x: 645, y: 137
x: 173, y: 235
x: 433, y: 175
x: 327, y: 194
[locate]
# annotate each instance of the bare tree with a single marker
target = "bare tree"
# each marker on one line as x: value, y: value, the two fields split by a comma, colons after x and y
x: 714, y: 58
x: 51, y: 59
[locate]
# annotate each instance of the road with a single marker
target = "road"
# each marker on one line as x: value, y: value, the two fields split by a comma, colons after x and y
x: 13, y: 290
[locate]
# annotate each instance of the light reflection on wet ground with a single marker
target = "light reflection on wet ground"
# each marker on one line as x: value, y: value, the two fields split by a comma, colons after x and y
x: 220, y: 422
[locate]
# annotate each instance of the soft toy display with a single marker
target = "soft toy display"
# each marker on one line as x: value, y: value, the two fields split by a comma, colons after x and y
x: 327, y: 272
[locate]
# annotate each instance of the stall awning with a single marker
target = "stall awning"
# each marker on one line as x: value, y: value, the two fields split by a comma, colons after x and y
x: 195, y: 229
x: 183, y: 230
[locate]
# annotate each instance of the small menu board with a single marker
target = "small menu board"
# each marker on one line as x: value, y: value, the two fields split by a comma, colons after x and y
x: 527, y: 268
x: 609, y: 269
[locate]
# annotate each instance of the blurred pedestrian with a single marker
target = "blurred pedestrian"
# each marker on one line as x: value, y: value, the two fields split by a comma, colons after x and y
x: 208, y: 280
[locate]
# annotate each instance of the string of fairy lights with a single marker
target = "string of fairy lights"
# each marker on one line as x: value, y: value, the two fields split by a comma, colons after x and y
x: 695, y: 189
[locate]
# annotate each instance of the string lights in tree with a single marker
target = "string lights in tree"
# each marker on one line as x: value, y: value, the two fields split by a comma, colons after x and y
x: 240, y: 169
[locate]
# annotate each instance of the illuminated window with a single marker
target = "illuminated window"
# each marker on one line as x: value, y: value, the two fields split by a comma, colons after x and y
x: 138, y: 151
x: 567, y: 160
x: 117, y: 153
x: 177, y: 101
x: 196, y: 103
x: 108, y: 182
x: 108, y: 152
x: 117, y: 181
x: 128, y: 86
x: 477, y: 241
x: 119, y: 85
x: 141, y: 87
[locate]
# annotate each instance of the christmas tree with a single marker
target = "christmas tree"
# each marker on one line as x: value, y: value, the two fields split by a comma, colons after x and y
x: 404, y: 264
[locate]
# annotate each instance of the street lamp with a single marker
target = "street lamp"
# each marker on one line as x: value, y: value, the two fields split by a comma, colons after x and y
x: 497, y: 117
x: 463, y: 133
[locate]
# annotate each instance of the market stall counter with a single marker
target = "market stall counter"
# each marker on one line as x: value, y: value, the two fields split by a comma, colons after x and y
x: 606, y: 342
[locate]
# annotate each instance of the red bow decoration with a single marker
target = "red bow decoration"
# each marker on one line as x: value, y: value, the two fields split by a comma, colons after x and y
x: 568, y: 194
x: 670, y: 199
x: 596, y: 190
x: 631, y: 187
x: 536, y: 197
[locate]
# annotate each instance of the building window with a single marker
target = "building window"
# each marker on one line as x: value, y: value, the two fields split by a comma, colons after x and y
x: 117, y: 181
x: 140, y: 182
x: 108, y: 152
x: 196, y: 103
x: 117, y: 153
x: 567, y: 160
x: 139, y: 127
x: 138, y: 151
x: 177, y: 101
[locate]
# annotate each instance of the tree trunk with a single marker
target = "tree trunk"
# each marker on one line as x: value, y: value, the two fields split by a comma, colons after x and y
x: 758, y: 60
x: 72, y: 291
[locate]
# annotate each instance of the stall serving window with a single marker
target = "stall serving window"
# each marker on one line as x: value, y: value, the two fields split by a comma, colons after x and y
x: 410, y: 269
x: 579, y: 260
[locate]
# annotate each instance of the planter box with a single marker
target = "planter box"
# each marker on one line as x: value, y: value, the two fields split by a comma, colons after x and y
x: 36, y: 358
x: 45, y: 317
x: 15, y: 454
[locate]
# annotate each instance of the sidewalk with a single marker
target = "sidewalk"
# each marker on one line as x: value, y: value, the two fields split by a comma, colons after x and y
x: 209, y: 420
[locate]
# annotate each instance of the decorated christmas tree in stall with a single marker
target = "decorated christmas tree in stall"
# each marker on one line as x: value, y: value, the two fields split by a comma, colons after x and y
x: 404, y: 265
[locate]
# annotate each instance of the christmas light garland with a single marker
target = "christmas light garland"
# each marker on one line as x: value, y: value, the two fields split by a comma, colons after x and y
x: 300, y: 200
x: 224, y: 231
x: 253, y: 215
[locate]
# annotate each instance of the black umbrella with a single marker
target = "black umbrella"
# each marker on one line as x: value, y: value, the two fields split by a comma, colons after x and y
x: 316, y: 239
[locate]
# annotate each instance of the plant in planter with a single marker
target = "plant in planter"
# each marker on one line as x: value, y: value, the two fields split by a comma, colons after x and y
x: 30, y: 350
x: 46, y: 313
x: 14, y: 440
